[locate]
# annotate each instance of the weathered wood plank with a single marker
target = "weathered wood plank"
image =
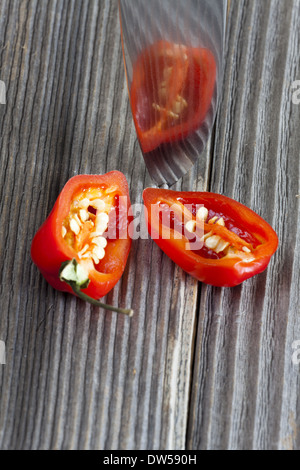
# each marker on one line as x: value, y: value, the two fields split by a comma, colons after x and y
x: 245, y: 385
x: 76, y: 377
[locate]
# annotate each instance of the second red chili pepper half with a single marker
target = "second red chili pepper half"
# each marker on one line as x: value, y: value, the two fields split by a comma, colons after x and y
x: 212, y: 237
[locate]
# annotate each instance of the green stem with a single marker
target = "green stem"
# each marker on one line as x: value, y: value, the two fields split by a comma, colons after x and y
x: 92, y: 301
x: 74, y: 274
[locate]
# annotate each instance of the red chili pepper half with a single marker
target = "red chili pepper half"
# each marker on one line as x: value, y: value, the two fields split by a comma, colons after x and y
x: 84, y: 243
x: 171, y: 92
x: 212, y: 237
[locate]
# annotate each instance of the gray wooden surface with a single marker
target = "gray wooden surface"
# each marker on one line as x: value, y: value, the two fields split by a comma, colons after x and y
x: 197, y: 367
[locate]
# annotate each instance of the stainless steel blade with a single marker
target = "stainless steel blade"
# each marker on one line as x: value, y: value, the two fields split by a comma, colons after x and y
x: 191, y: 25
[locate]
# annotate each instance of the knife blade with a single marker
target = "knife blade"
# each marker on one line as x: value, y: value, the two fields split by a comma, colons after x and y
x: 173, y: 56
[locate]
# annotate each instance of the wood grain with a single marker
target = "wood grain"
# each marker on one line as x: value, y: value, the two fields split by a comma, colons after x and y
x: 196, y: 367
x: 245, y: 383
x: 76, y: 377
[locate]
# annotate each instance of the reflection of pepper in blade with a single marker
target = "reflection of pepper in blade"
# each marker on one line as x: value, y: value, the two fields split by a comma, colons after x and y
x: 171, y: 92
x: 84, y: 243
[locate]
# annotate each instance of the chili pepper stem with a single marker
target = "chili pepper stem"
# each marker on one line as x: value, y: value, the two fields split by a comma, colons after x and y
x: 76, y: 277
x: 92, y: 301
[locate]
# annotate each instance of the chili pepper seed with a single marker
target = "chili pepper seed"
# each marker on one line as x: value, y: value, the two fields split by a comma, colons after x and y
x: 221, y: 222
x: 222, y: 245
x: 191, y: 226
x: 100, y: 241
x: 202, y: 214
x: 99, y: 252
x: 84, y: 203
x: 101, y: 222
x: 98, y: 204
x: 84, y: 215
x: 213, y: 220
x: 74, y: 226
x: 212, y: 242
